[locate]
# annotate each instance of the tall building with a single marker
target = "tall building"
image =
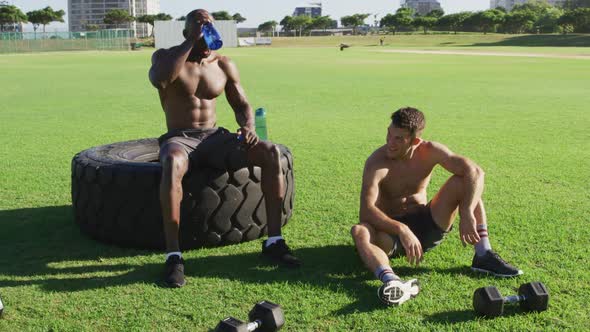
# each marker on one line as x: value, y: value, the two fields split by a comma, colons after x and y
x: 92, y: 12
x: 312, y: 9
x: 421, y: 7
x: 509, y: 4
x: 145, y: 7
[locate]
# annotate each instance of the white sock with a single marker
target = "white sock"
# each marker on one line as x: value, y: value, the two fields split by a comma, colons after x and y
x: 483, y: 245
x: 272, y: 239
x: 177, y: 253
x: 385, y: 274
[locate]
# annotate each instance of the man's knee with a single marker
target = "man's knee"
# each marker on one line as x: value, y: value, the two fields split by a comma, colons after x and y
x: 270, y: 155
x: 458, y: 185
x: 459, y: 180
x: 174, y: 162
x: 455, y: 186
x: 361, y: 231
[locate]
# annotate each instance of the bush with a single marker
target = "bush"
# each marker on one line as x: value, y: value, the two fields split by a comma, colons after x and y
x: 147, y: 42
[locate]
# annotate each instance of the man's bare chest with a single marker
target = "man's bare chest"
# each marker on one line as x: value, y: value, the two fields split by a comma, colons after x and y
x: 407, y: 180
x: 203, y: 82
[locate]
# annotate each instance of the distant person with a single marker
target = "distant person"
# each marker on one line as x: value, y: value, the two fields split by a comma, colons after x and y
x: 381, y: 40
x: 189, y: 78
x: 396, y: 218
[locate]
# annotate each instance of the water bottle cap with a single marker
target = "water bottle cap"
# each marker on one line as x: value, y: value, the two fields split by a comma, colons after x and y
x: 260, y: 111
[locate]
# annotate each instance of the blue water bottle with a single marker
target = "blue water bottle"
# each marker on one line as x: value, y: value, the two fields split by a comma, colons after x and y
x: 260, y: 124
x: 212, y: 37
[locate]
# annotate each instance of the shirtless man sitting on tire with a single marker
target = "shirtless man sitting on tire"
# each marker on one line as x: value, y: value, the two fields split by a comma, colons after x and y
x: 189, y: 77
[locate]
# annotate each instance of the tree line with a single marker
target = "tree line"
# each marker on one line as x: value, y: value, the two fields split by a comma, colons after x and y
x: 531, y: 17
x: 10, y: 15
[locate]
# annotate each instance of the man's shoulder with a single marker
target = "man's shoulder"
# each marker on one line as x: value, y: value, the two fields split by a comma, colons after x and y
x: 432, y: 151
x: 224, y: 61
x: 376, y: 166
x: 162, y: 52
x: 165, y: 51
x: 429, y: 146
x: 377, y: 158
x: 228, y: 67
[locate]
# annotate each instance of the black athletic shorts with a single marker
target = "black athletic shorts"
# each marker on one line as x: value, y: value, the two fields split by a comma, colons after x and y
x: 214, y: 147
x: 423, y: 226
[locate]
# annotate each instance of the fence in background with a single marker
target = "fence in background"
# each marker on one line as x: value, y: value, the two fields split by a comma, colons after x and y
x: 27, y: 42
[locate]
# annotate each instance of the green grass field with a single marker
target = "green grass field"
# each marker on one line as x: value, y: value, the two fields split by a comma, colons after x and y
x: 524, y: 120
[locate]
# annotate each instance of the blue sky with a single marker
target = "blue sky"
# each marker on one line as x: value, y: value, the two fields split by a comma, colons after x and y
x: 258, y: 11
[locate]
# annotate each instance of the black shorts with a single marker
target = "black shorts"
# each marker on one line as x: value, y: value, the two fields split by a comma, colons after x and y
x: 421, y: 223
x: 214, y: 147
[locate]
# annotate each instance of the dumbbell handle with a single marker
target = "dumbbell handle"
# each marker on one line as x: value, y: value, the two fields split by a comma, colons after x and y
x: 254, y: 325
x: 514, y: 298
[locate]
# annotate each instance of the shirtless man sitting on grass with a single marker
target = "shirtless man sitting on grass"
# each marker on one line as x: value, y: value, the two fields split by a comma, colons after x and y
x: 396, y: 218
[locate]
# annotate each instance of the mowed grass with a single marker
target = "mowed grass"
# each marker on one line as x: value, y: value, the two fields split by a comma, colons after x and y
x: 569, y: 44
x: 524, y: 120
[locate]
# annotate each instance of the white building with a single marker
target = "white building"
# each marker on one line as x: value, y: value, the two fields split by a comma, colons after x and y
x: 92, y: 12
x: 311, y: 9
x: 509, y: 4
x: 169, y: 33
x: 421, y: 7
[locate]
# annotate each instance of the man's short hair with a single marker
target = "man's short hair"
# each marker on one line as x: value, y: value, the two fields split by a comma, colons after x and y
x: 409, y: 118
x: 192, y: 16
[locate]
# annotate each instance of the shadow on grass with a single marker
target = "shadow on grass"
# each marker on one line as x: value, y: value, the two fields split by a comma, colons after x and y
x: 33, y: 241
x: 451, y: 317
x: 571, y: 40
x: 461, y: 316
x: 43, y: 247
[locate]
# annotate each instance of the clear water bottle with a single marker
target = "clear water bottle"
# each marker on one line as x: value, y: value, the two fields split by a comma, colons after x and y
x: 260, y: 124
x: 212, y: 37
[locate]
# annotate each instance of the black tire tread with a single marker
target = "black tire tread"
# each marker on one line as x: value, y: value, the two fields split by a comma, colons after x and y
x: 116, y: 199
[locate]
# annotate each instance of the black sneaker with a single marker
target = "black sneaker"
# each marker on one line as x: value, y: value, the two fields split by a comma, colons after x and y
x: 174, y: 273
x: 492, y: 263
x: 279, y: 252
x: 396, y: 292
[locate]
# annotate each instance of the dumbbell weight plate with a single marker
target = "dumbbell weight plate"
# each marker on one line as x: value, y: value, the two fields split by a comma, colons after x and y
x: 536, y: 294
x: 270, y: 314
x: 487, y: 301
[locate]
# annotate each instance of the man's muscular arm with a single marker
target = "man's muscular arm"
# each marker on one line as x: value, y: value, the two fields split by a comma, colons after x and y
x: 371, y: 214
x: 473, y: 178
x: 236, y: 98
x: 166, y: 64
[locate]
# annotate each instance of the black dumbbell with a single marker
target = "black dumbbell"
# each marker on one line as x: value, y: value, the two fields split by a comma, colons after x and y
x: 532, y: 296
x: 264, y: 317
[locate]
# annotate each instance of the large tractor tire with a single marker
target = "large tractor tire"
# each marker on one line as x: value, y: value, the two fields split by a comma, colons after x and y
x: 115, y: 196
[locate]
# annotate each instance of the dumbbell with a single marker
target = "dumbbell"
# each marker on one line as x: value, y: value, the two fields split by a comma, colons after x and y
x: 264, y: 317
x: 532, y: 296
